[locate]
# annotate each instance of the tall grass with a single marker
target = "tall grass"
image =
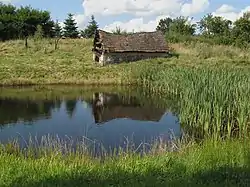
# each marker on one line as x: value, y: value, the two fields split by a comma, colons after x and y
x: 213, y: 101
x: 213, y: 163
x: 47, y: 145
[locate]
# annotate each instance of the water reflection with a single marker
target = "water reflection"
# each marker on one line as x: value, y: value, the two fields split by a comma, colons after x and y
x: 13, y: 110
x: 106, y: 118
x: 107, y: 107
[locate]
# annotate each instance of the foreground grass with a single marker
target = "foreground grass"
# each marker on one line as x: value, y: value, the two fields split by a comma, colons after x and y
x: 210, y: 164
x: 72, y: 62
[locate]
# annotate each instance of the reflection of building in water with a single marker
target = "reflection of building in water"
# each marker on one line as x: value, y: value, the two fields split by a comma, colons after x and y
x: 98, y: 107
x: 111, y: 106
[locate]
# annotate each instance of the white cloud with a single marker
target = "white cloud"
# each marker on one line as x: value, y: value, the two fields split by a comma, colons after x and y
x: 6, y: 1
x: 229, y: 12
x: 246, y: 9
x: 144, y: 7
x: 225, y: 8
x: 141, y: 9
x: 196, y: 6
x: 136, y: 25
x: 81, y: 20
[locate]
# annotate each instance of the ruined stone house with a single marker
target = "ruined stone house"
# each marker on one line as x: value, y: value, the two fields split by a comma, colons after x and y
x: 115, y: 48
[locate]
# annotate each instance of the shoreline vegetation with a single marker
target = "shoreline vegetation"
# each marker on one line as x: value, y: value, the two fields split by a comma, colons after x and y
x: 212, y: 163
x: 209, y: 83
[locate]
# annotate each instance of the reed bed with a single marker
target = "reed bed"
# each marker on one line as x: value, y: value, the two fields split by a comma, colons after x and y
x: 212, y: 102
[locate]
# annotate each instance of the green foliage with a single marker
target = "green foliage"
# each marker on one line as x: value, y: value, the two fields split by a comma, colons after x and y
x: 212, y: 29
x: 89, y: 32
x: 164, y: 25
x: 119, y: 31
x: 214, y: 26
x: 177, y: 26
x: 57, y: 30
x: 181, y: 25
x: 177, y: 29
x: 70, y: 28
x: 39, y: 33
x: 22, y: 22
x: 241, y: 30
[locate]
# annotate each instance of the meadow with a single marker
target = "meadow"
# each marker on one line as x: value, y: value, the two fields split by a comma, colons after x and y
x: 72, y: 62
x: 211, y: 84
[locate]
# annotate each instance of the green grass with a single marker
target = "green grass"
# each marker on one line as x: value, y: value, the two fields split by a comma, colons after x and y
x: 41, y: 64
x: 72, y: 62
x: 210, y: 164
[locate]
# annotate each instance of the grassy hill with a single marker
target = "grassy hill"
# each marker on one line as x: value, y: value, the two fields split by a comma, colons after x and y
x: 72, y: 62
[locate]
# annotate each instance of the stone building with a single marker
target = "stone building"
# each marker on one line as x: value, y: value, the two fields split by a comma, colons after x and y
x: 114, y: 48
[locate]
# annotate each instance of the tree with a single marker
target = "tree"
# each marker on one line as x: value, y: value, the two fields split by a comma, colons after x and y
x: 241, y: 30
x: 176, y: 26
x: 215, y: 25
x: 57, y: 34
x: 8, y: 27
x: 181, y: 25
x: 70, y: 28
x: 39, y: 34
x: 89, y: 32
x: 164, y: 25
x: 57, y: 30
x: 22, y: 22
x: 119, y: 31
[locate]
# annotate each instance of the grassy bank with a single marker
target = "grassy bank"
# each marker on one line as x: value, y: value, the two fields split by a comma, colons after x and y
x: 72, y: 62
x: 210, y: 164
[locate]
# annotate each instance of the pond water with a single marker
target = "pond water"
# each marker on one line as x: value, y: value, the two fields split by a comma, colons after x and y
x: 110, y: 117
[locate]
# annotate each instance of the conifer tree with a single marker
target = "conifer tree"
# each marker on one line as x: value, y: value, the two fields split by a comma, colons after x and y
x: 89, y: 32
x: 57, y: 30
x: 70, y: 28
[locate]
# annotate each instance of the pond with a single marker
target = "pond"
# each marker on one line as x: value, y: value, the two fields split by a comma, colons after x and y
x: 108, y: 116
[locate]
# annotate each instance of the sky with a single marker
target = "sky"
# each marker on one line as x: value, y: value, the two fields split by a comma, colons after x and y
x: 135, y: 15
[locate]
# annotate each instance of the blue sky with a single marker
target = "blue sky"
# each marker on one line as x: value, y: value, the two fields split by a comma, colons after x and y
x: 135, y: 14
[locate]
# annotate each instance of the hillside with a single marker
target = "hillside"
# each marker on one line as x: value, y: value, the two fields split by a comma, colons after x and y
x: 72, y: 62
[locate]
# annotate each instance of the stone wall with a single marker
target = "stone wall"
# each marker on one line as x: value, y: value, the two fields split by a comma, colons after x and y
x: 98, y: 58
x: 108, y: 58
